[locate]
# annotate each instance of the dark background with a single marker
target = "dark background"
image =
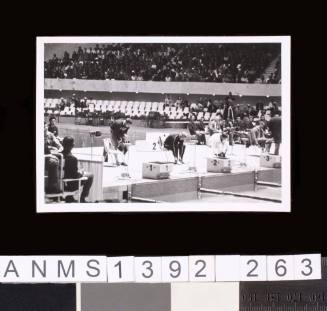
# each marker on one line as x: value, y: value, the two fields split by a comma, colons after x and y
x: 22, y: 231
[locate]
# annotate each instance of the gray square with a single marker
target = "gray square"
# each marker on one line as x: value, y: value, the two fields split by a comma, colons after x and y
x: 125, y: 297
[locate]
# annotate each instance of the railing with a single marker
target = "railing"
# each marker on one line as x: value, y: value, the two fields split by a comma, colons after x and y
x: 205, y: 88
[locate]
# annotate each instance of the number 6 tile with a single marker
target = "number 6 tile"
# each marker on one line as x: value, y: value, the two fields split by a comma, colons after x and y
x: 280, y: 268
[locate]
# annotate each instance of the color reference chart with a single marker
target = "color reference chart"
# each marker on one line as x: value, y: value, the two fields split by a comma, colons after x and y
x: 276, y: 295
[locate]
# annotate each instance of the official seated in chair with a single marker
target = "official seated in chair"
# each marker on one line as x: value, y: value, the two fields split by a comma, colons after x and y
x: 197, y: 129
x: 52, y: 147
x: 258, y: 137
x: 175, y: 143
x: 71, y: 171
x: 51, y: 142
x: 52, y: 126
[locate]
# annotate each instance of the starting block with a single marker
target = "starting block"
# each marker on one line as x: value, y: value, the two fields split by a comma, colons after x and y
x: 219, y: 165
x: 157, y: 170
x: 270, y: 160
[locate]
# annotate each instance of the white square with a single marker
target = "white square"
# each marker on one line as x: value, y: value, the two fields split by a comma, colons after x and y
x: 174, y: 269
x: 202, y: 296
x: 147, y: 269
x: 202, y: 268
x: 307, y: 267
x: 280, y: 268
x: 120, y: 269
x: 228, y: 268
x: 253, y: 268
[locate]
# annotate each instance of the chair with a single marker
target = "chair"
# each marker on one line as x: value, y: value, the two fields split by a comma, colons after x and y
x: 111, y: 106
x: 123, y: 104
x: 122, y: 109
x: 142, y: 106
x: 207, y: 116
x: 130, y: 105
x: 200, y: 115
x: 154, y: 106
x: 167, y: 110
x: 63, y: 182
x: 179, y: 115
x: 129, y: 112
x: 148, y: 106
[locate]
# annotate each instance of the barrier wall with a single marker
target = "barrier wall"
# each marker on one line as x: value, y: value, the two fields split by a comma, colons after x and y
x: 155, y: 97
x: 203, y: 88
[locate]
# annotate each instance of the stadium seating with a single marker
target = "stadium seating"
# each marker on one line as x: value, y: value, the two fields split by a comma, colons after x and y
x: 134, y: 109
x: 233, y: 63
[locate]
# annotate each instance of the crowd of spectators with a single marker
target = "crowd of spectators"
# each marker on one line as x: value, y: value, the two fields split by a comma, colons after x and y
x: 234, y: 63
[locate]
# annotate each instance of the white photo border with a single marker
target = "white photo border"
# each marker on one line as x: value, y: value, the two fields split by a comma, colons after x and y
x: 285, y: 206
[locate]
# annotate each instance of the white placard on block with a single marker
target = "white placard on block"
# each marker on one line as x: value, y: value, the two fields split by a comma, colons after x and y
x: 280, y: 268
x: 202, y: 268
x: 120, y: 269
x: 228, y: 268
x: 174, y: 269
x: 147, y: 269
x: 253, y: 268
x: 307, y: 267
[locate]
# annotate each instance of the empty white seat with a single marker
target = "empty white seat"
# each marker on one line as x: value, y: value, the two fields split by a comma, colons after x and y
x: 148, y: 106
x: 180, y: 115
x: 136, y: 105
x: 142, y: 105
x: 161, y: 106
x: 154, y: 106
x: 171, y: 116
x: 186, y: 110
x: 200, y: 115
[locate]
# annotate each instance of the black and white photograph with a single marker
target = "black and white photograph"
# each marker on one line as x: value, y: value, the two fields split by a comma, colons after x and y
x: 128, y: 124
